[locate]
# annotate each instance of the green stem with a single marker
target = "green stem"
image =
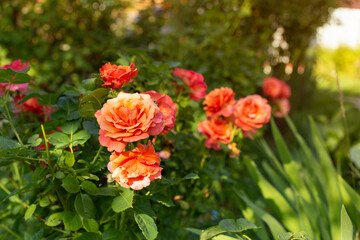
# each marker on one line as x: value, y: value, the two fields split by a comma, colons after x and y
x: 8, y: 116
x: 96, y: 156
x: 46, y: 144
x: 10, y: 231
x: 28, y: 158
x: 4, y: 188
x: 17, y: 173
x: 122, y: 220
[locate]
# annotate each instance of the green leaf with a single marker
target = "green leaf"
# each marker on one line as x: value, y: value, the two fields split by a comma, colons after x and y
x: 34, y: 140
x: 355, y: 154
x: 44, y: 202
x: 6, y: 143
x: 70, y: 127
x: 59, y: 140
x: 72, y: 221
x: 6, y: 76
x: 124, y: 201
x: 91, y: 225
x: 69, y: 159
x: 346, y: 225
x: 59, y: 175
x: 84, y: 206
x: 108, y: 191
x: 112, y: 234
x: 163, y: 199
x: 275, y: 227
x: 93, y: 102
x: 211, y: 232
x: 145, y: 218
x: 71, y: 184
x: 80, y: 137
x: 89, y: 187
x: 30, y: 211
x: 54, y: 219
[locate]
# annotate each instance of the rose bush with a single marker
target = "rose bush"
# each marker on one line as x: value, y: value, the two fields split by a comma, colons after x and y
x: 149, y: 159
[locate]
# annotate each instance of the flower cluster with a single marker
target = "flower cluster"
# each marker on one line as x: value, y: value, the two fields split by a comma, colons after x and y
x: 279, y: 93
x: 226, y: 115
x: 31, y: 104
x: 129, y: 118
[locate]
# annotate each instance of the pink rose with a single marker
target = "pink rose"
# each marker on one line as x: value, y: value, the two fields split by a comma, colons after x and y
x: 194, y: 80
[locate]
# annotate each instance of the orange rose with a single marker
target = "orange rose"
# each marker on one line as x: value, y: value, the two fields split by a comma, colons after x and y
x: 115, y: 76
x: 128, y: 118
x: 219, y: 101
x: 217, y: 131
x: 252, y: 112
x: 167, y: 107
x: 275, y: 88
x: 282, y: 107
x: 136, y: 168
x: 194, y: 80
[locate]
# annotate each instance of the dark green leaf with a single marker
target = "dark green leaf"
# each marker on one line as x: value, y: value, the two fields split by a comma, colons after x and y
x: 93, y: 102
x: 112, y: 234
x: 6, y: 76
x: 72, y: 221
x: 6, y: 143
x: 84, y: 206
x: 91, y: 225
x: 145, y: 218
x: 89, y: 187
x: 71, y: 184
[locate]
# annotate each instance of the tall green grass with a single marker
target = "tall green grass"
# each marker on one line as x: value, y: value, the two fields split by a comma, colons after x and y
x: 301, y: 190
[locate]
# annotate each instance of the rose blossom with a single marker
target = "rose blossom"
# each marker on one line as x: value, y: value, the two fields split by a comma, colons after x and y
x: 136, y: 168
x: 17, y: 66
x: 194, y: 80
x: 128, y: 118
x: 167, y: 107
x: 219, y: 101
x: 116, y: 75
x: 32, y: 105
x: 217, y: 131
x: 282, y: 107
x: 275, y: 88
x: 252, y: 112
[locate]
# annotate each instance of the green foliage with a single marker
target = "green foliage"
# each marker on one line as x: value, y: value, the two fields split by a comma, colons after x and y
x: 306, y: 193
x: 63, y: 40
